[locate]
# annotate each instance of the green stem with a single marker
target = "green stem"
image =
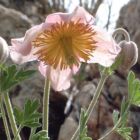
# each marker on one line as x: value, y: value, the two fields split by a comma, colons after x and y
x: 46, y: 105
x: 33, y: 130
x: 94, y: 100
x: 11, y: 115
x: 19, y: 129
x: 4, y: 119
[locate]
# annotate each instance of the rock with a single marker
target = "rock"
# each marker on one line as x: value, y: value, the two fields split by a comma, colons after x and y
x: 13, y: 23
x: 67, y: 129
x: 117, y: 86
x: 85, y: 94
x: 130, y: 20
x: 35, y: 10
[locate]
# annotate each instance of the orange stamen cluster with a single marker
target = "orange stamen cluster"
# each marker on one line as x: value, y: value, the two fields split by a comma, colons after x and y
x: 65, y: 44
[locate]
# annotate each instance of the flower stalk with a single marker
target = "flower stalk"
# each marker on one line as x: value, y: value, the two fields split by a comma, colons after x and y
x: 46, y: 106
x: 11, y: 116
x: 94, y: 100
x: 4, y: 119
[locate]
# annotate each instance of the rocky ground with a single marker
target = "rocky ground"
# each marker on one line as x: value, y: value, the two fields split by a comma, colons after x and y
x: 16, y: 17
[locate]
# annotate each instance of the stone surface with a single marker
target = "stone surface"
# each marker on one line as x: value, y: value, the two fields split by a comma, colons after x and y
x: 36, y: 10
x: 67, y: 129
x: 13, y: 23
x: 130, y: 20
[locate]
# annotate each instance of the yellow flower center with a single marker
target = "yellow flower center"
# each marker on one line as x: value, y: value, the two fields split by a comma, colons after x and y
x: 65, y: 44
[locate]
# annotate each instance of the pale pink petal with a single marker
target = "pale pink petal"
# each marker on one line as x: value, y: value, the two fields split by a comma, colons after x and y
x: 81, y: 14
x: 23, y: 45
x: 18, y: 58
x: 43, y: 69
x: 106, y: 50
x: 60, y: 79
x: 75, y: 69
x: 57, y: 18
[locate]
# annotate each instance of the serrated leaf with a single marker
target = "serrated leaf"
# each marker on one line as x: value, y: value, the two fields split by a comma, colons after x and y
x: 10, y: 76
x: 133, y: 89
x: 83, y: 126
x: 87, y: 138
x: 117, y: 62
x: 25, y: 73
x: 125, y: 132
x: 35, y: 115
x: 130, y: 79
x: 18, y: 115
x: 35, y: 105
x: 27, y: 108
x: 32, y: 124
x: 124, y: 106
x: 115, y: 116
x: 136, y: 93
x: 41, y: 135
x: 29, y: 116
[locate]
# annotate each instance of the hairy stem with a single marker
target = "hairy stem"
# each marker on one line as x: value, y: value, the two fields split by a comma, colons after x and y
x: 46, y: 105
x: 11, y: 115
x: 4, y: 119
x: 93, y: 101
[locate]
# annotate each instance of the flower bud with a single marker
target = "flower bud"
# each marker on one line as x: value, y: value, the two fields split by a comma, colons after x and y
x: 128, y: 54
x: 4, y: 50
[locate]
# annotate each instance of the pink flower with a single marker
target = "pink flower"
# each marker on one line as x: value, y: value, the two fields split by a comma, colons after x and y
x: 61, y: 43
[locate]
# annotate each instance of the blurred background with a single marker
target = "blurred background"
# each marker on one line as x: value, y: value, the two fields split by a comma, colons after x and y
x: 16, y: 16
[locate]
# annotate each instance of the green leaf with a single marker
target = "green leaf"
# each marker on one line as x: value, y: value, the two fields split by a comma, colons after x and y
x: 29, y: 116
x: 32, y: 124
x: 133, y: 89
x: 115, y: 116
x: 11, y: 75
x: 24, y: 74
x: 83, y: 126
x: 18, y: 115
x: 124, y: 106
x: 130, y: 79
x: 125, y: 132
x: 136, y: 93
x: 117, y: 62
x: 41, y: 135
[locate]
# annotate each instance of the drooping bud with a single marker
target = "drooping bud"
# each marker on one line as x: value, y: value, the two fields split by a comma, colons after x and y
x: 4, y: 50
x: 128, y: 54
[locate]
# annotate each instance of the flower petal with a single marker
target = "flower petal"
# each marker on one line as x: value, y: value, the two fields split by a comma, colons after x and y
x: 106, y: 50
x: 57, y: 17
x: 60, y: 79
x: 81, y: 14
x: 23, y: 45
x: 18, y: 58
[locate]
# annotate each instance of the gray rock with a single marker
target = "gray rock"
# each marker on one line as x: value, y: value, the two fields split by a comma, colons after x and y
x: 67, y: 129
x: 13, y: 23
x: 85, y: 94
x: 117, y: 86
x: 130, y: 20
